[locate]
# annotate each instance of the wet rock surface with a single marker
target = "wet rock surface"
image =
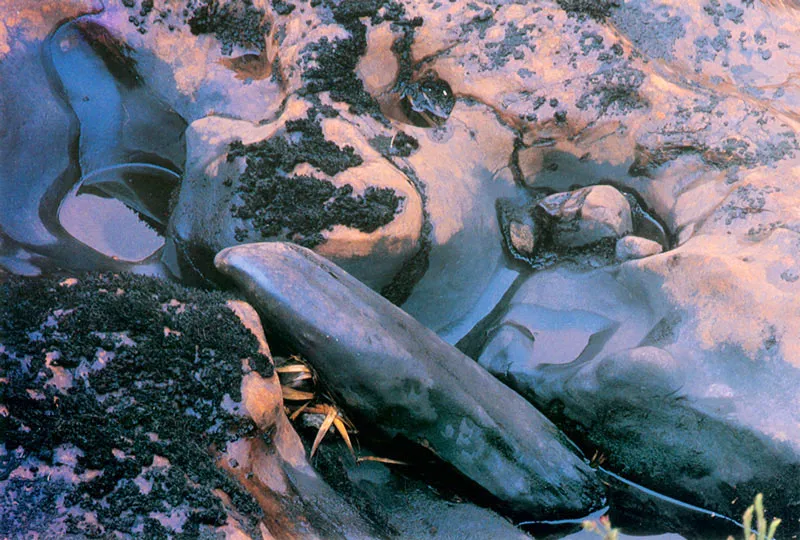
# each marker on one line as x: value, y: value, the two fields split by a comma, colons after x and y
x: 391, y: 371
x: 687, y: 109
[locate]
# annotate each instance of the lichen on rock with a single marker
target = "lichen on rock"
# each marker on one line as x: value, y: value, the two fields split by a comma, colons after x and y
x: 115, y: 388
x: 300, y: 206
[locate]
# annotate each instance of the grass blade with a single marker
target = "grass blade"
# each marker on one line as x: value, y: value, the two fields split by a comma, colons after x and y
x: 293, y: 368
x: 748, y: 522
x: 291, y: 394
x: 342, y: 429
x: 326, y: 425
x: 380, y: 460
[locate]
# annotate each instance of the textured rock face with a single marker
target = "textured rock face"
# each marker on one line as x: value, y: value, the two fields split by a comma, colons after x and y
x: 685, y: 104
x: 289, y: 180
x: 390, y: 370
x: 150, y: 419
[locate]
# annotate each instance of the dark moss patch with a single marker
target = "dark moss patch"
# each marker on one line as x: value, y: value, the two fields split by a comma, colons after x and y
x: 653, y: 31
x: 707, y: 48
x: 234, y: 23
x: 299, y: 207
x: 401, y: 145
x: 480, y: 23
x: 159, y: 393
x: 596, y: 9
x: 282, y: 8
x: 513, y: 45
x: 614, y: 89
x: 329, y: 66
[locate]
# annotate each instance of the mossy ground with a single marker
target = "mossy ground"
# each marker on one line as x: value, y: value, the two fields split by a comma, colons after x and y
x: 170, y: 356
x: 300, y: 207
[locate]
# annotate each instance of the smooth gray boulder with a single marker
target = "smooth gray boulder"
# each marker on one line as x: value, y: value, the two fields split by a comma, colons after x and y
x: 389, y: 370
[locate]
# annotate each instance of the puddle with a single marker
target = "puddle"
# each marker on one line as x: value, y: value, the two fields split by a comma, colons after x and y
x: 120, y: 211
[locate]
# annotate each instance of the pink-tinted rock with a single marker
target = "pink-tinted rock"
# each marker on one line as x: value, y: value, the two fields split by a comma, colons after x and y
x: 586, y: 216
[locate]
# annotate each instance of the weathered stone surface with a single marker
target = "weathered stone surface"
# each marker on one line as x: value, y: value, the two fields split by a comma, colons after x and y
x: 344, y: 199
x: 586, y: 216
x: 686, y: 104
x: 636, y: 247
x: 136, y: 407
x: 521, y: 232
x: 391, y: 371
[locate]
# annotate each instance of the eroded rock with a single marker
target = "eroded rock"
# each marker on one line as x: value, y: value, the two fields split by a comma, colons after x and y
x: 586, y: 216
x: 289, y: 180
x: 674, y: 359
x: 685, y: 104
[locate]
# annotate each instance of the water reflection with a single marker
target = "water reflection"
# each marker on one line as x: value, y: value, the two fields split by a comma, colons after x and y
x: 120, y: 211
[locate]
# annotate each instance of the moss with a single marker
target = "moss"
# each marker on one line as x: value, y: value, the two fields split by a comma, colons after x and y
x: 513, y: 45
x: 614, y: 88
x: 282, y: 8
x: 234, y: 23
x: 596, y: 9
x: 330, y: 65
x: 167, y: 383
x: 401, y: 144
x: 299, y: 207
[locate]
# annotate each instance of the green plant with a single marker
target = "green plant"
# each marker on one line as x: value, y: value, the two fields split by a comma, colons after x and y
x: 762, y: 532
x: 602, y: 528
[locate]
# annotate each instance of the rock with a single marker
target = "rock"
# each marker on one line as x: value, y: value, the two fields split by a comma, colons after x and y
x: 427, y: 102
x: 588, y: 215
x: 713, y: 161
x: 636, y: 247
x: 685, y: 356
x: 523, y: 236
x: 390, y: 371
x: 288, y: 180
x: 463, y: 264
x: 133, y: 406
x: 530, y: 335
x: 410, y: 508
x: 35, y: 180
x: 521, y: 231
x: 559, y: 316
